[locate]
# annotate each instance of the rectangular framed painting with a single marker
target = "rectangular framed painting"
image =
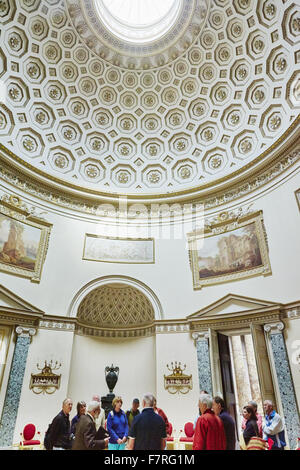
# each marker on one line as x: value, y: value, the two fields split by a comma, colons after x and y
x: 118, y: 250
x: 24, y: 239
x: 228, y: 250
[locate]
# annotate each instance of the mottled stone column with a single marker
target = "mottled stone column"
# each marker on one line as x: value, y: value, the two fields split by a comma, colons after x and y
x: 285, y: 381
x: 14, y: 386
x: 204, y: 368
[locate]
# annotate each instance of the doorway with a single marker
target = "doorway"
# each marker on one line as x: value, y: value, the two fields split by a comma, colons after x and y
x: 239, y: 374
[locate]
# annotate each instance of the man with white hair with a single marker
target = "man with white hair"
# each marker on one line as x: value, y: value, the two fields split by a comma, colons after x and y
x: 85, y: 437
x: 273, y: 429
x: 209, y: 432
x: 60, y: 428
x: 148, y: 430
x: 100, y: 421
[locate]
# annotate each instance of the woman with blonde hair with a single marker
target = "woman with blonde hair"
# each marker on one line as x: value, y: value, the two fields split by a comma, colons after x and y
x: 117, y: 426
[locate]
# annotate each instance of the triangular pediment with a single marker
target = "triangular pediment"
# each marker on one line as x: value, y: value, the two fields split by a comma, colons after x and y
x: 233, y: 304
x: 9, y: 300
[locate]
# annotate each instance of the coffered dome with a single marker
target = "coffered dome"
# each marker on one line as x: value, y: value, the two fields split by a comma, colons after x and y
x: 115, y: 306
x: 202, y: 100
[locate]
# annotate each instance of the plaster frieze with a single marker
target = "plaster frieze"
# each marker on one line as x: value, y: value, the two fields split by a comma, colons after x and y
x: 292, y: 313
x: 97, y: 207
x: 57, y: 325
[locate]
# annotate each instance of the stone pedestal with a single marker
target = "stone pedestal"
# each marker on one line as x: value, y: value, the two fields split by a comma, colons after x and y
x: 106, y: 403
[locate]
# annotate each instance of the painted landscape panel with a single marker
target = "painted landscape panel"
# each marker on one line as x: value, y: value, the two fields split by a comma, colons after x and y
x: 19, y: 243
x: 118, y: 250
x: 234, y: 251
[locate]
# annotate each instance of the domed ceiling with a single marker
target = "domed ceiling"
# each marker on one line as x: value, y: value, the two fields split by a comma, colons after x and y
x: 116, y: 306
x: 94, y: 101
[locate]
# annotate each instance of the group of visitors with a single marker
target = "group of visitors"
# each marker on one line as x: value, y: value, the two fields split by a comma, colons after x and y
x: 214, y: 428
x: 90, y: 430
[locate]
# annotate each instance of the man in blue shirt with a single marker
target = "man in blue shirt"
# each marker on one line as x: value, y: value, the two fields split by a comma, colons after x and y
x: 148, y: 430
x: 273, y: 428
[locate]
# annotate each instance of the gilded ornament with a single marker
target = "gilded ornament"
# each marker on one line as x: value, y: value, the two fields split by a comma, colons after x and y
x: 61, y: 161
x: 281, y: 64
x: 123, y: 177
x: 185, y: 172
x: 2, y: 121
x: 15, y: 41
x: 215, y: 162
x: 259, y: 95
x: 41, y: 117
x: 92, y: 171
x: 296, y: 24
x: 154, y: 177
x: 245, y: 146
x: 274, y: 122
x: 270, y: 10
x: 4, y: 6
x: 29, y: 144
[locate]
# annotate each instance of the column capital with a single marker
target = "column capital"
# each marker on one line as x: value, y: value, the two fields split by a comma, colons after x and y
x: 274, y: 328
x: 200, y: 335
x: 25, y: 332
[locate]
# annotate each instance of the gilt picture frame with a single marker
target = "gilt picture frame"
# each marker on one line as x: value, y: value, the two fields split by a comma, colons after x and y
x: 229, y: 249
x: 118, y: 250
x: 24, y: 239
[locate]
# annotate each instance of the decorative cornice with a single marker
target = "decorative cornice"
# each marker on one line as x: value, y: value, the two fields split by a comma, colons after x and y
x: 14, y: 318
x: 210, y: 194
x: 234, y: 321
x: 116, y: 333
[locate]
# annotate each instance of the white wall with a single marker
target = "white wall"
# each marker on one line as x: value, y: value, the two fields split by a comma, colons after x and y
x: 136, y: 359
x: 170, y: 278
x: 41, y: 409
x: 179, y: 408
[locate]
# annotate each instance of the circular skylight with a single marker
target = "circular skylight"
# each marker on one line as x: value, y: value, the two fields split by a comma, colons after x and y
x: 138, y: 21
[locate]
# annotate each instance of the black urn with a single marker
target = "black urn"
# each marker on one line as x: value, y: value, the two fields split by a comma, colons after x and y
x: 111, y: 377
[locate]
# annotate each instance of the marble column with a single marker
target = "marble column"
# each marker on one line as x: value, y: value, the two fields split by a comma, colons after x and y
x: 14, y: 386
x: 204, y: 368
x: 285, y: 381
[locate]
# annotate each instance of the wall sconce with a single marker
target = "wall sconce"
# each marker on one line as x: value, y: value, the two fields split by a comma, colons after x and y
x: 46, y: 381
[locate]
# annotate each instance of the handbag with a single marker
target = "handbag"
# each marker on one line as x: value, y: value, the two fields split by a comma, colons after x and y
x: 257, y: 443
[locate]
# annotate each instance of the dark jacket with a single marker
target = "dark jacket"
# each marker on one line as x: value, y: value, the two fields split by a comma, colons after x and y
x: 251, y: 430
x: 73, y: 425
x: 60, y: 431
x: 229, y: 428
x: 148, y: 429
x: 85, y: 436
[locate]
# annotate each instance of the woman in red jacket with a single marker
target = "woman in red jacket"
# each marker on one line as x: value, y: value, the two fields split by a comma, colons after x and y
x: 161, y: 413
